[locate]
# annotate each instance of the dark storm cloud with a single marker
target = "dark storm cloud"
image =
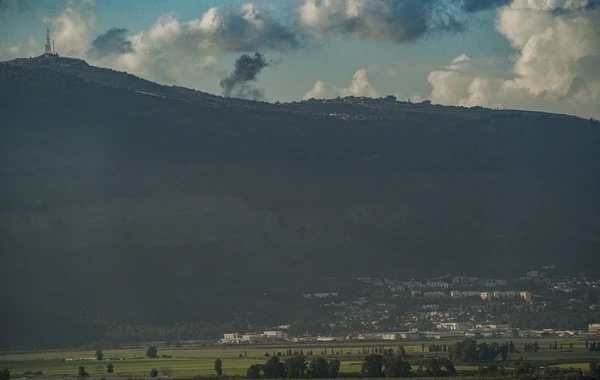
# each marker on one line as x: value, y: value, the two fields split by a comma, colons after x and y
x: 481, y: 5
x: 386, y: 20
x: 591, y: 4
x: 253, y: 29
x: 400, y: 21
x: 239, y: 83
x: 113, y: 41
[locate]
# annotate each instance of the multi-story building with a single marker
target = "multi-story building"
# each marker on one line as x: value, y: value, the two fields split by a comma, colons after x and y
x: 487, y: 296
x: 254, y: 338
x: 464, y: 294
x: 434, y: 294
x: 233, y: 338
x: 506, y: 294
x: 526, y: 296
x: 399, y: 335
x: 275, y: 335
x: 457, y: 326
x: 594, y: 327
x: 437, y: 284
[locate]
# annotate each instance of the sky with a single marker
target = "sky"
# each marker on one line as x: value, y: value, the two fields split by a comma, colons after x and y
x: 520, y: 54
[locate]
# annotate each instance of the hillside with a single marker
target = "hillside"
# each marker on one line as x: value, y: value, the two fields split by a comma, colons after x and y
x: 126, y: 203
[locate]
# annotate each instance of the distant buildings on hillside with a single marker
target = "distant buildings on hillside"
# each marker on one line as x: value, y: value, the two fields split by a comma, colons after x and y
x: 253, y: 338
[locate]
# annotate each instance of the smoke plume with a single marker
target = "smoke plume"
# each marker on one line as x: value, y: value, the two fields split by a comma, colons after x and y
x: 239, y: 83
x: 113, y: 42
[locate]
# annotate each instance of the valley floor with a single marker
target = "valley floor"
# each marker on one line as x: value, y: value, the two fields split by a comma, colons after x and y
x: 194, y: 361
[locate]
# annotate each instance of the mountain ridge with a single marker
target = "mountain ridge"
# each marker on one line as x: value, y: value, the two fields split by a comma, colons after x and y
x: 120, y: 207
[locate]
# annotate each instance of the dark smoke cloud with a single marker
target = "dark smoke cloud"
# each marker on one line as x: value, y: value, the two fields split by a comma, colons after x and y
x: 239, y: 83
x: 114, y: 41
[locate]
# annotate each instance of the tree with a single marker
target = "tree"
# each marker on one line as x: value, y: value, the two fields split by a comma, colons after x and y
x: 5, y: 374
x: 402, y: 351
x: 523, y: 368
x: 373, y: 365
x: 449, y: 366
x: 166, y: 370
x: 253, y: 371
x: 595, y: 369
x: 296, y: 367
x: 334, y: 368
x: 274, y: 368
x: 110, y: 368
x: 99, y: 355
x: 153, y: 372
x: 465, y: 351
x: 82, y: 373
x: 318, y: 368
x: 219, y: 367
x: 152, y: 352
x: 395, y: 366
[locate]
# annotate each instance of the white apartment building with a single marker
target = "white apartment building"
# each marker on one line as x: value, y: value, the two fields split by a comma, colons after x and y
x: 275, y: 335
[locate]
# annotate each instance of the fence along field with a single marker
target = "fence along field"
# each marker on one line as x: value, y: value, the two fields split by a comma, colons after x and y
x: 192, y: 361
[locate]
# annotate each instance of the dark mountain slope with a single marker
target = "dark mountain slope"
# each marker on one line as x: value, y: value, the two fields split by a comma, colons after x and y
x: 123, y: 207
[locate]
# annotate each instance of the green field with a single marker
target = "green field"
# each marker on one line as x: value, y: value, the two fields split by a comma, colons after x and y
x: 191, y: 361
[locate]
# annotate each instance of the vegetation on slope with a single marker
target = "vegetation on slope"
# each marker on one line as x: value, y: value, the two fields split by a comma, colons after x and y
x: 128, y: 204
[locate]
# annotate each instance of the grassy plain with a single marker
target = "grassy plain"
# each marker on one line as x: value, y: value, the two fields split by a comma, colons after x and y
x: 199, y: 360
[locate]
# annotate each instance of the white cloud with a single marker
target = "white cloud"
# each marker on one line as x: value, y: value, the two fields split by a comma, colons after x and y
x: 360, y: 86
x: 173, y: 51
x: 555, y: 68
x: 321, y: 90
x: 72, y: 32
x: 17, y: 50
x: 205, y: 62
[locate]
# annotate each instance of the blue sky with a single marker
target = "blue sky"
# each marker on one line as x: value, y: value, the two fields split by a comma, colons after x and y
x: 488, y: 62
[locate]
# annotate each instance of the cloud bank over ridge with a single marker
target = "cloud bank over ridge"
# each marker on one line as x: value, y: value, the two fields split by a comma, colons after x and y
x: 554, y: 68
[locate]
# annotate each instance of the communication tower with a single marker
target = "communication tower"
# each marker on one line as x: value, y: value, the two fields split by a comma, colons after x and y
x: 48, y: 49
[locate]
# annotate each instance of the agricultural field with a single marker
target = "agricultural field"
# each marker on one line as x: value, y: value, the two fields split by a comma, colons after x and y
x: 190, y: 361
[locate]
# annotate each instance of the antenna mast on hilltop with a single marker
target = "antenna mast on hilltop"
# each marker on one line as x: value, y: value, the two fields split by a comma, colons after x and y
x: 48, y: 49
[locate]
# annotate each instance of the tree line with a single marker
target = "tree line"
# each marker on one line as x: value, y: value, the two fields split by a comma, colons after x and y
x: 470, y: 351
x: 391, y: 365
